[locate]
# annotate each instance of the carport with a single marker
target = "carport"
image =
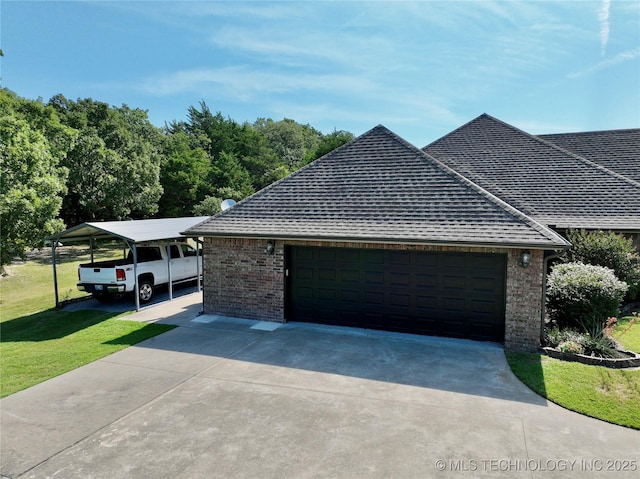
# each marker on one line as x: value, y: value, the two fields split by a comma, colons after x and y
x: 163, y: 231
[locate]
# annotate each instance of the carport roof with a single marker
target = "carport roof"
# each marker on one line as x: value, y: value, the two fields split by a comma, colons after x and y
x: 136, y: 231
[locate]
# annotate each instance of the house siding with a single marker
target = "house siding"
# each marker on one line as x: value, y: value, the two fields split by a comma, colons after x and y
x: 241, y: 280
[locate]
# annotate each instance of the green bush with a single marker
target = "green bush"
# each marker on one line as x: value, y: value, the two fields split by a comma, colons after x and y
x: 583, y: 296
x: 601, y: 345
x: 605, y: 248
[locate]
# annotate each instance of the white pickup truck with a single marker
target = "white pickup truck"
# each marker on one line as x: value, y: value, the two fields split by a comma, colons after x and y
x: 105, y: 279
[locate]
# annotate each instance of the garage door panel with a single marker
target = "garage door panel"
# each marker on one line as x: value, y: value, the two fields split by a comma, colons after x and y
x: 438, y: 293
x: 372, y: 257
x: 373, y: 298
x: 349, y: 295
x: 304, y: 273
x: 426, y: 284
x: 349, y: 275
x: 374, y: 278
x: 327, y: 255
x: 399, y: 280
x: 453, y: 282
x: 326, y: 294
x: 399, y: 300
x: 325, y: 274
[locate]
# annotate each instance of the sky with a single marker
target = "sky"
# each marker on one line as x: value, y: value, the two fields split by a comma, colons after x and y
x: 422, y: 69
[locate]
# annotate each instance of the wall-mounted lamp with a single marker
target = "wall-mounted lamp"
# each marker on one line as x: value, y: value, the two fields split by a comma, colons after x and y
x: 525, y: 258
x: 271, y: 247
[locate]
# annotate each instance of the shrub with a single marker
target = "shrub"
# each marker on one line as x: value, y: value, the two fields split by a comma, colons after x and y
x: 605, y: 248
x: 583, y: 296
x: 571, y: 341
x: 570, y: 347
x: 554, y: 336
x: 600, y: 347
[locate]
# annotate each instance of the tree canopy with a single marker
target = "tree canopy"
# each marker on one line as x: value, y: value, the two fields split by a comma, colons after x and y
x: 32, y: 182
x: 66, y: 162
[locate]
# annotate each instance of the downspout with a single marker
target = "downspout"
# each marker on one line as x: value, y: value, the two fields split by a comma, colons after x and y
x: 198, y: 252
x: 543, y: 309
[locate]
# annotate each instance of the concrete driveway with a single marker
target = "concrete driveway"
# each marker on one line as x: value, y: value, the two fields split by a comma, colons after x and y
x: 218, y: 397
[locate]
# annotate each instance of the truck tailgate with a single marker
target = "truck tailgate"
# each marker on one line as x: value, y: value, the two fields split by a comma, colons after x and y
x: 97, y: 275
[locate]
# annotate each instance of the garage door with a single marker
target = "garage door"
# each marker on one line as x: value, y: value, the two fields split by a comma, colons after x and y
x: 458, y: 295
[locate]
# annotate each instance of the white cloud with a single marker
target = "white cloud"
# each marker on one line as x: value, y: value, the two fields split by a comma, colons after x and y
x: 603, y: 17
x: 243, y: 83
x: 619, y: 58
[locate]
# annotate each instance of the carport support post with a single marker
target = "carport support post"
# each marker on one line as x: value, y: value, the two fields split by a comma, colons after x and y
x: 55, y: 272
x: 169, y: 271
x: 136, y: 292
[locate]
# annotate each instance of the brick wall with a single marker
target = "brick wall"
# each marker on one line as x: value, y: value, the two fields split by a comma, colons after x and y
x: 241, y: 280
x: 523, y: 311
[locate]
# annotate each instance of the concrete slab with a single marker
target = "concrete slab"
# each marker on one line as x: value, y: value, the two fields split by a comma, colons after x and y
x: 42, y: 421
x: 221, y: 399
x: 127, y: 303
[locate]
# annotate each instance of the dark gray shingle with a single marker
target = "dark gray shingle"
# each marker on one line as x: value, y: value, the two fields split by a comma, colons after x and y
x: 378, y: 187
x: 548, y: 183
x: 617, y: 150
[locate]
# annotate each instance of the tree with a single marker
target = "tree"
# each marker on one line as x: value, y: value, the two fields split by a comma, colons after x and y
x: 31, y: 188
x: 217, y: 135
x: 114, y: 167
x: 182, y: 176
x: 330, y: 142
x: 293, y: 143
x: 227, y: 171
x: 604, y: 248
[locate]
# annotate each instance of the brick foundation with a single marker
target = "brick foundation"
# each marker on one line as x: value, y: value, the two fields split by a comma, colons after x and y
x: 242, y: 280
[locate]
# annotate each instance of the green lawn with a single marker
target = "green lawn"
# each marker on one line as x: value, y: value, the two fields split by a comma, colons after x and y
x: 28, y: 288
x: 38, y: 342
x: 628, y: 336
x: 604, y: 393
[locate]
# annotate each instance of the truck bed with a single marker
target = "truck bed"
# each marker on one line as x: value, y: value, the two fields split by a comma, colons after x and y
x: 107, y: 264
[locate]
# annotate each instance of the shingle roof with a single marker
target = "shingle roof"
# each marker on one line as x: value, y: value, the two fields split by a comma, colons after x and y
x: 617, y: 150
x: 544, y: 181
x: 379, y: 188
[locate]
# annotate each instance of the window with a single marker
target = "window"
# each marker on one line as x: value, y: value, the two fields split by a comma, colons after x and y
x: 187, y: 250
x: 175, y: 252
x: 146, y: 253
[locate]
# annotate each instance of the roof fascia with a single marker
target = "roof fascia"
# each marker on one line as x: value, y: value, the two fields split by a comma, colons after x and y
x: 359, y: 239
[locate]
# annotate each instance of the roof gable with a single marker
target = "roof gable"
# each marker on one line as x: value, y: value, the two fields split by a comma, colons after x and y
x: 379, y: 188
x: 544, y: 181
x: 617, y: 150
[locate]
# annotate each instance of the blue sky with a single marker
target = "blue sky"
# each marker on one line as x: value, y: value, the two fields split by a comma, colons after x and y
x: 420, y: 68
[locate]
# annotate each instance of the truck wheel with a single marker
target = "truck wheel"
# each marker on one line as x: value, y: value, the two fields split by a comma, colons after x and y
x: 145, y: 290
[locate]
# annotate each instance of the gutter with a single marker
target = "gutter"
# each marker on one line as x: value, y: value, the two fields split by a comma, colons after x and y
x: 373, y: 240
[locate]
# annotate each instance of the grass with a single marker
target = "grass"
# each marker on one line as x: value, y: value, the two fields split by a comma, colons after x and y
x: 628, y: 335
x: 603, y: 393
x: 38, y: 342
x: 28, y: 288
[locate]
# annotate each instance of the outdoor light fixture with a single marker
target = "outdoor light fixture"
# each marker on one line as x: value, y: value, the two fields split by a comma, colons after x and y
x: 271, y: 247
x: 525, y: 258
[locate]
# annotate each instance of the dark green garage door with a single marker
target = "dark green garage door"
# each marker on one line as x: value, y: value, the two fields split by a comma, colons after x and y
x: 459, y: 295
